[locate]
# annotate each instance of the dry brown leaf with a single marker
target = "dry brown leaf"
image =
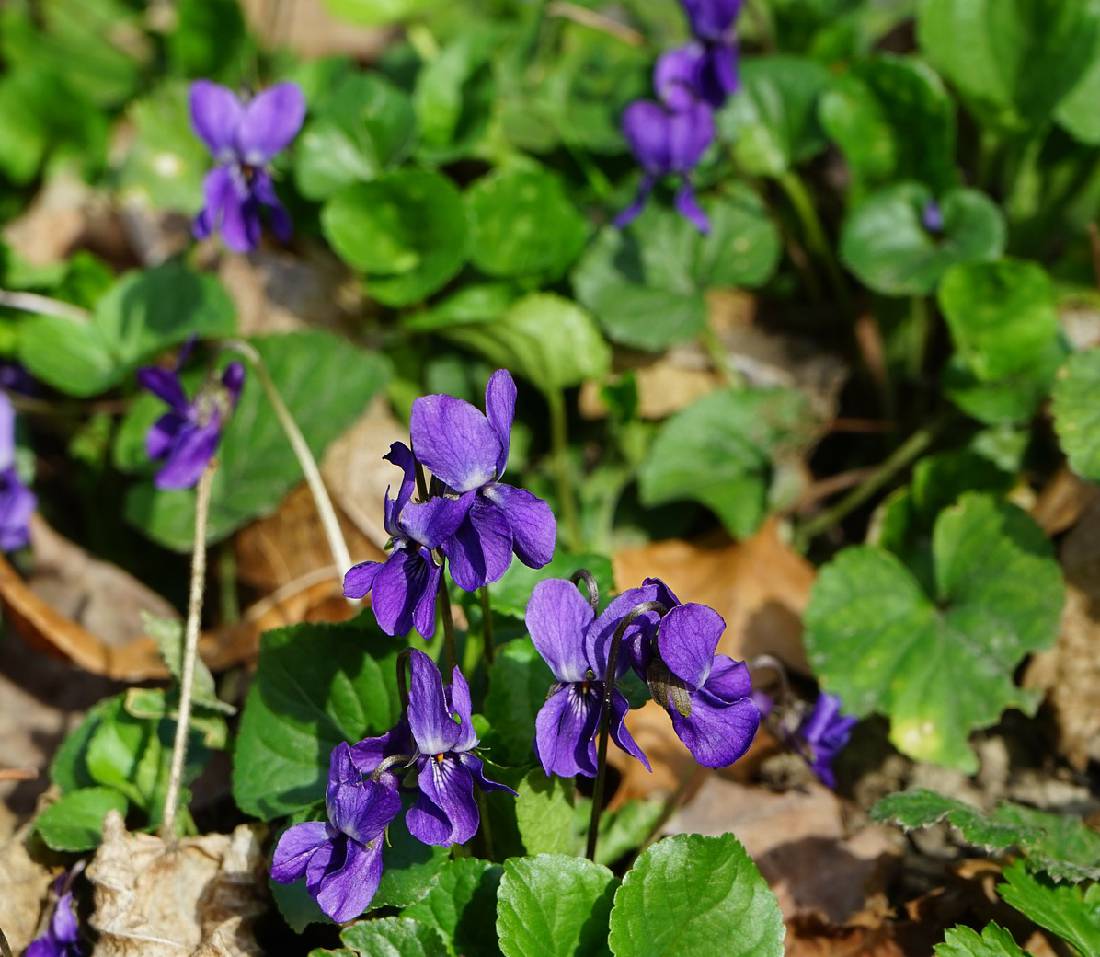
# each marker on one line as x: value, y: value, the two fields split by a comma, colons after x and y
x: 814, y: 938
x: 198, y: 898
x: 53, y: 223
x: 23, y: 885
x: 1062, y: 501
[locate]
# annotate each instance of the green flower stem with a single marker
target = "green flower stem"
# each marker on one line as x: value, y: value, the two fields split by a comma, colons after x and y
x: 559, y: 438
x: 487, y: 625
x: 803, y: 205
x: 190, y: 651
x: 719, y: 357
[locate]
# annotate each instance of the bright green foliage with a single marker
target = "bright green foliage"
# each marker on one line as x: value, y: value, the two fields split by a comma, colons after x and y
x: 410, y: 867
x: 518, y: 683
x: 461, y: 904
x: 880, y: 642
x: 454, y: 95
x: 1077, y: 413
x: 75, y: 822
x: 1071, y: 912
x: 993, y: 941
x: 545, y: 815
x: 721, y: 451
x: 377, y: 12
x: 691, y: 894
x: 509, y: 595
x: 393, y: 937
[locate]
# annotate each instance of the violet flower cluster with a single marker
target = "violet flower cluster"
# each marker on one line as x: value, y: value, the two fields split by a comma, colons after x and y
x: 670, y: 135
x: 707, y: 695
x: 243, y: 136
x: 429, y: 754
x: 472, y: 519
x: 17, y: 502
x: 820, y: 736
x: 186, y: 437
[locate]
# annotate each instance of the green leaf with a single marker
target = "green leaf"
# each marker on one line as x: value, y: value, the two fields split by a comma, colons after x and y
x: 373, y: 13
x: 1013, y: 399
x: 994, y: 941
x: 1076, y: 113
x: 1013, y: 60
x: 1058, y: 844
x: 720, y: 451
x: 208, y: 38
x: 406, y: 230
x: 886, y: 245
x: 509, y: 596
x: 454, y: 95
x: 879, y: 109
x: 545, y: 814
x: 1077, y: 413
x: 461, y: 904
x: 773, y: 120
x: 646, y: 283
x: 518, y: 341
x: 75, y: 822
x: 518, y: 682
x: 554, y: 906
x: 393, y: 937
x: 168, y: 634
x: 362, y: 128
x: 1068, y: 911
x: 522, y: 223
x: 296, y: 906
x: 691, y: 894
x: 410, y: 867
x: 624, y: 829
x: 882, y: 644
x: 1000, y: 315
x: 316, y: 685
x: 326, y: 383
x: 68, y: 769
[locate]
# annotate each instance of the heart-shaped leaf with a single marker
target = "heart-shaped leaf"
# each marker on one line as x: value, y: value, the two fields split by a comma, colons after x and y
x: 1077, y: 413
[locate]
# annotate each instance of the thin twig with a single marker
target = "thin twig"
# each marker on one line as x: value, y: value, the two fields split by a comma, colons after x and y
x: 44, y: 305
x: 18, y: 774
x: 325, y: 510
x: 191, y: 644
x: 597, y: 21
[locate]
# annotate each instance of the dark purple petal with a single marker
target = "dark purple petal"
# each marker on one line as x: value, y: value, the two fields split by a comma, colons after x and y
x: 269, y: 122
x: 215, y: 113
x: 360, y: 578
x: 163, y: 434
x: 558, y: 619
x: 687, y: 640
x: 7, y: 432
x: 500, y: 409
x: 620, y: 734
x: 432, y: 522
x: 294, y: 850
x: 480, y: 550
x: 825, y: 732
x: 242, y: 224
x: 220, y: 192
x: 63, y: 923
x: 430, y: 719
x: 718, y: 79
x: 690, y: 133
x: 164, y: 384
x: 263, y: 190
x: 476, y: 767
x: 347, y: 883
x: 233, y: 380
x: 192, y: 452
x: 931, y: 217
x: 717, y: 732
x: 634, y: 649
x: 359, y: 808
x: 762, y: 700
x: 455, y: 441
x: 634, y: 210
x: 711, y: 19
x: 406, y: 583
x: 532, y: 523
x: 424, y: 612
x: 687, y: 207
x: 462, y: 711
x: 677, y: 76
x: 17, y: 504
x: 729, y: 679
x: 401, y: 456
x: 370, y: 752
x: 565, y: 730
x: 645, y: 126
x: 445, y: 813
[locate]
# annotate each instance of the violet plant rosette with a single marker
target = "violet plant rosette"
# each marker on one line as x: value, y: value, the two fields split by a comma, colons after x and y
x: 436, y: 741
x: 467, y: 451
x: 575, y: 644
x: 186, y: 437
x: 823, y: 734
x: 243, y: 136
x: 17, y: 502
x: 341, y: 858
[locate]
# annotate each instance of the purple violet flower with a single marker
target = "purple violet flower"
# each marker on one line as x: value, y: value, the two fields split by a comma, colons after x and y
x: 17, y: 502
x: 711, y: 20
x: 341, y: 859
x: 243, y: 137
x: 823, y: 734
x: 575, y: 644
x: 931, y: 217
x: 404, y: 586
x: 187, y: 436
x: 468, y: 451
x: 62, y: 936
x: 698, y: 71
x: 438, y: 737
x: 15, y: 378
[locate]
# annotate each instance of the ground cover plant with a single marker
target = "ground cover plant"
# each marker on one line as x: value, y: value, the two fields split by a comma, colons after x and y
x: 534, y: 477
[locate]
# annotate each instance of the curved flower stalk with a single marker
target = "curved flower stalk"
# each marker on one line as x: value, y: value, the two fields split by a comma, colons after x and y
x: 467, y: 451
x: 436, y: 740
x: 243, y: 136
x: 341, y: 858
x: 17, y: 502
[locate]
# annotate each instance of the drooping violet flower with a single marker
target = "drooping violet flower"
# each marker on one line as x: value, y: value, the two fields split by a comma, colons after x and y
x: 931, y: 217
x: 468, y: 451
x: 668, y: 142
x: 62, y: 936
x: 711, y: 20
x: 437, y: 734
x: 707, y: 695
x: 187, y: 435
x: 575, y: 644
x: 341, y: 859
x: 404, y: 586
x: 698, y: 71
x: 823, y: 734
x: 243, y: 137
x: 17, y: 502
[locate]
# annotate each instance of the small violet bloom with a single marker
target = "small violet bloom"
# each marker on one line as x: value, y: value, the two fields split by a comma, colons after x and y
x: 711, y: 20
x: 468, y: 451
x: 187, y: 436
x: 243, y: 137
x: 575, y: 643
x: 17, y: 502
x: 341, y: 859
x: 437, y: 738
x: 62, y: 936
x: 931, y: 217
x: 15, y: 378
x: 698, y: 71
x: 823, y: 734
x: 404, y: 586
